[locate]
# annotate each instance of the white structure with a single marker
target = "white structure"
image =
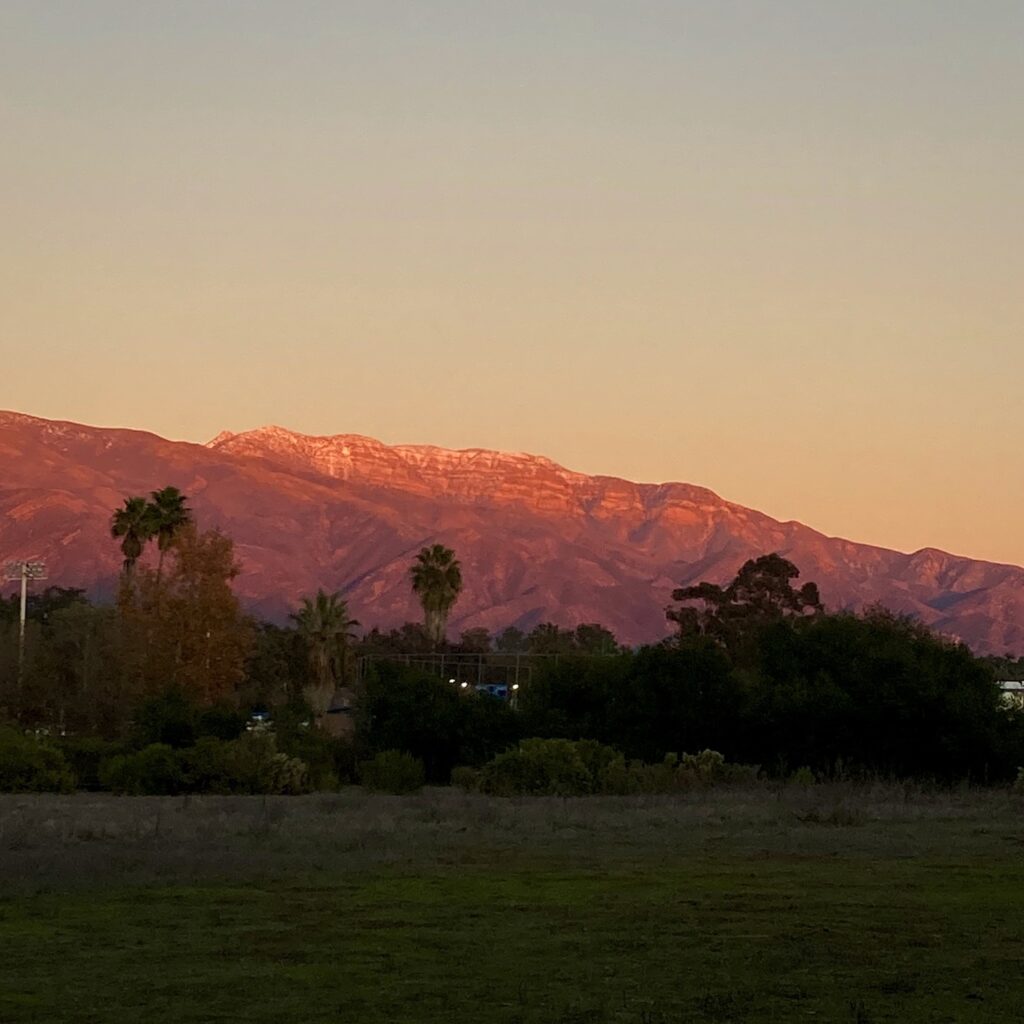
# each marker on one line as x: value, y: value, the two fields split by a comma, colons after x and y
x: 1013, y: 692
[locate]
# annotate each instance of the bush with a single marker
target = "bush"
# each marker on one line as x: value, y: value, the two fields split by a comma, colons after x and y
x: 222, y: 723
x: 156, y: 770
x: 329, y: 760
x: 393, y: 771
x: 466, y: 778
x: 167, y: 720
x: 251, y: 764
x: 255, y: 765
x: 407, y: 708
x: 85, y: 754
x: 29, y: 765
x: 540, y: 767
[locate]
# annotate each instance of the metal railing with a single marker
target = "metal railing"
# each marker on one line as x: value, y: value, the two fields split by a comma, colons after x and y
x: 487, y: 668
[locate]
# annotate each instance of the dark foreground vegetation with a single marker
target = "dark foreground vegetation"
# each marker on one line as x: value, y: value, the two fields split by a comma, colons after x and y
x: 155, y: 694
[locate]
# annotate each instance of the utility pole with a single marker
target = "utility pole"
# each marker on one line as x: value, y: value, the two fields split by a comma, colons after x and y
x: 23, y: 571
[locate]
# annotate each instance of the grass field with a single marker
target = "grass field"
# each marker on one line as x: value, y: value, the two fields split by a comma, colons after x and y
x: 822, y: 904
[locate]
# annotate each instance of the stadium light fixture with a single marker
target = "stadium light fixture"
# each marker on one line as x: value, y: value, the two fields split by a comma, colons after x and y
x: 23, y: 571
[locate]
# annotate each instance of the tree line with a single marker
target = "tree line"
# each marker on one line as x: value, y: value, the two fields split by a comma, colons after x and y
x: 757, y: 670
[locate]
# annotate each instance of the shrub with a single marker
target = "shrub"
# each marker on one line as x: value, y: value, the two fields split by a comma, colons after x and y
x: 541, y: 767
x: 167, y: 720
x: 328, y: 759
x: 705, y: 766
x: 393, y: 771
x: 156, y: 770
x: 466, y: 778
x: 251, y: 764
x: 255, y: 765
x: 222, y: 723
x: 802, y: 777
x: 84, y: 756
x: 407, y: 708
x: 29, y: 765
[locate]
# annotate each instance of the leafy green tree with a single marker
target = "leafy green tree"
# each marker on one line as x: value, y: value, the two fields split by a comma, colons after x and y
x: 593, y: 638
x: 42, y: 606
x: 75, y: 680
x: 188, y: 630
x: 878, y: 691
x: 547, y: 638
x: 407, y: 708
x: 410, y: 638
x: 437, y: 581
x: 275, y: 670
x: 761, y: 593
x: 510, y: 641
x: 475, y: 641
x: 655, y: 701
x: 168, y: 516
x: 134, y: 524
x: 326, y: 628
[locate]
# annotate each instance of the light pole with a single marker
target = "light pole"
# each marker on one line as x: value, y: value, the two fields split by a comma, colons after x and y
x: 24, y: 571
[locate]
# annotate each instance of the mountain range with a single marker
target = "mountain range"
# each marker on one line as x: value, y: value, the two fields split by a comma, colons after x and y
x: 537, y: 542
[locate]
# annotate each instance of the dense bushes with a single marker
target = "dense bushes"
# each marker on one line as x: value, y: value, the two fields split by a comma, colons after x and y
x: 645, y: 704
x: 250, y: 764
x: 403, y: 708
x: 392, y: 771
x: 30, y: 765
x: 876, y: 692
x: 558, y: 767
x: 872, y: 693
x: 172, y: 718
x: 880, y: 693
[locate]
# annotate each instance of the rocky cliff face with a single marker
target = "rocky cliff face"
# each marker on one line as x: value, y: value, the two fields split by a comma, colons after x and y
x: 536, y: 541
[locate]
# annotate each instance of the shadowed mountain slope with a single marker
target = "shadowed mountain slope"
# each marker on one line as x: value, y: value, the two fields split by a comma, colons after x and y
x: 536, y: 541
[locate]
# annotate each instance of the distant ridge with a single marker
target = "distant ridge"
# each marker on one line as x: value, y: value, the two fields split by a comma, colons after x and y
x: 537, y: 541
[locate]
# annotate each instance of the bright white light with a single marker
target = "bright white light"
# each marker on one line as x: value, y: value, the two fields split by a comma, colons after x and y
x: 515, y: 686
x: 451, y: 680
x: 464, y: 685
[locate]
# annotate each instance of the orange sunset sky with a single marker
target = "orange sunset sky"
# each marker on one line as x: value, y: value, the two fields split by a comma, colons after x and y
x: 773, y: 248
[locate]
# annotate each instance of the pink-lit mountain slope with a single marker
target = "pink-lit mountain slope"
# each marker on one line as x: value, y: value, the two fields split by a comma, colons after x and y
x: 536, y: 541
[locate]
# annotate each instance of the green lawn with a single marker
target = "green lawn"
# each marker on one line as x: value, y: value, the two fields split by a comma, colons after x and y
x: 912, y: 918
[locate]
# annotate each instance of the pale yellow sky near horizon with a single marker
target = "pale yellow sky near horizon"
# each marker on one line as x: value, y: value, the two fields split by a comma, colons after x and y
x: 765, y: 246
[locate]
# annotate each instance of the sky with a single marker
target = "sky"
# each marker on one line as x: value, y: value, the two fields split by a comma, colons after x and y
x: 772, y: 247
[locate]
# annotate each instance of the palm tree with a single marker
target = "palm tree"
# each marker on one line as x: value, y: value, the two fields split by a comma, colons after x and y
x: 326, y: 628
x: 437, y: 580
x: 170, y: 514
x: 135, y: 523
